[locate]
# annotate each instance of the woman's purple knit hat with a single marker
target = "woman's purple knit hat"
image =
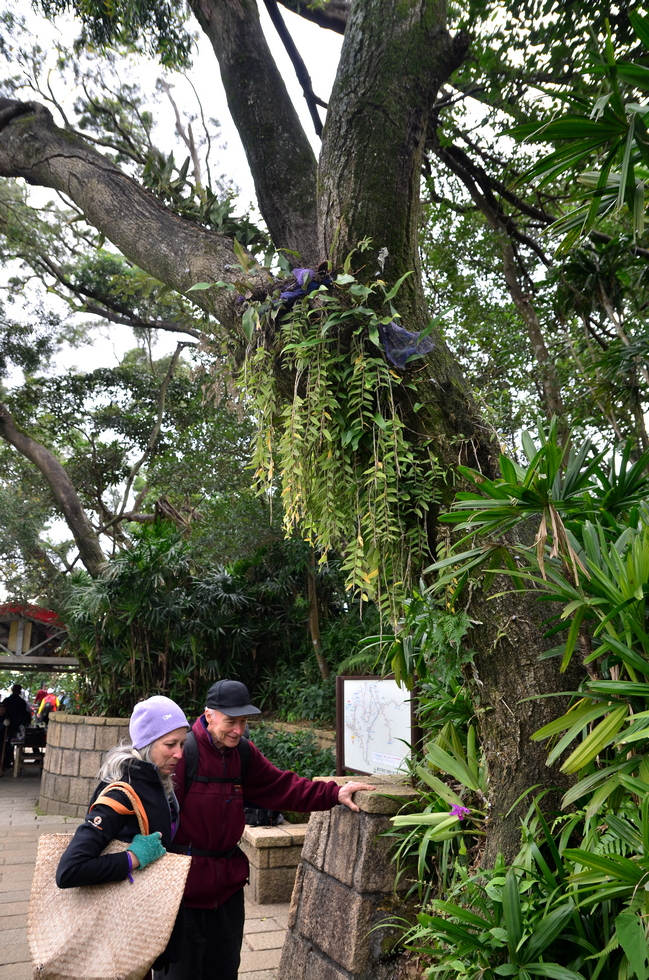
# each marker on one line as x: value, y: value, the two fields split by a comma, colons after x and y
x: 153, y: 718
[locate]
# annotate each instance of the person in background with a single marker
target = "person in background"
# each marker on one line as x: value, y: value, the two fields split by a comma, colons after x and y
x: 48, y: 704
x: 40, y: 694
x: 4, y: 725
x: 158, y: 729
x: 212, y: 822
x: 18, y: 713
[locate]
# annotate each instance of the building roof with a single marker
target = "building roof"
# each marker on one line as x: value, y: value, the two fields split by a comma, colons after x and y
x: 35, y: 613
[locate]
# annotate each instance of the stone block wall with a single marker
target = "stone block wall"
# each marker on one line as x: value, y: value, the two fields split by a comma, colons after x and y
x: 344, y: 890
x: 76, y: 748
x: 274, y: 854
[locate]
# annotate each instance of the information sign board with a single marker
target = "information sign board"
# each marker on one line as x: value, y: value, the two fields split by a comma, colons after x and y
x: 374, y: 726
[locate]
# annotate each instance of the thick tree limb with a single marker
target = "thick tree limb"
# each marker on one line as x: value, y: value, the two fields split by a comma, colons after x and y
x: 332, y: 15
x: 502, y: 224
x: 281, y: 160
x: 179, y: 253
x: 62, y: 489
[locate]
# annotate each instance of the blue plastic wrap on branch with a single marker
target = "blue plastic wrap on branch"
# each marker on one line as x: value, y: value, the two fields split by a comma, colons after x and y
x: 400, y: 344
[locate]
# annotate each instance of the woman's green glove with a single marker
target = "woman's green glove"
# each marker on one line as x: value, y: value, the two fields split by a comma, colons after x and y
x: 147, y: 849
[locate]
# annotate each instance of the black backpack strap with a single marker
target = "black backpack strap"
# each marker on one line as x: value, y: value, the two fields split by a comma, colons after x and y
x: 244, y: 755
x: 191, y: 760
x: 191, y: 764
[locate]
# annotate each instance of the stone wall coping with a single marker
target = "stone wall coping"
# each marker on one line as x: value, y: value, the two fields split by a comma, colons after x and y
x: 62, y: 717
x: 390, y: 795
x: 262, y: 837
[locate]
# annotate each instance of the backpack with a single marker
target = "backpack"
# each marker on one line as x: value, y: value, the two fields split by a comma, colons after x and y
x: 191, y: 764
x: 255, y: 816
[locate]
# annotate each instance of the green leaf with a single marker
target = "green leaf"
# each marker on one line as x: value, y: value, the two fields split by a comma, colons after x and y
x: 552, y: 970
x: 630, y: 931
x: 512, y: 913
x: 601, y: 736
x: 550, y: 928
x: 249, y: 322
x: 619, y: 868
x: 440, y: 787
x: 453, y: 766
x: 397, y: 286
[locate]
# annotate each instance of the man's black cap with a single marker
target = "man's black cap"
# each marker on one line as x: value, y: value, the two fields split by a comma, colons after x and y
x: 230, y: 697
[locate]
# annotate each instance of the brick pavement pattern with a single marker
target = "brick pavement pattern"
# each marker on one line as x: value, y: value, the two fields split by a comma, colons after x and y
x: 20, y: 828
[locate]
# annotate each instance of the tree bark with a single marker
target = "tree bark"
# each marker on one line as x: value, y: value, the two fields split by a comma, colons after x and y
x: 63, y: 492
x: 394, y: 59
x: 506, y: 672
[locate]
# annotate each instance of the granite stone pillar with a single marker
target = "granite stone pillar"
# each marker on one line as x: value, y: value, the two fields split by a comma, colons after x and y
x: 344, y: 890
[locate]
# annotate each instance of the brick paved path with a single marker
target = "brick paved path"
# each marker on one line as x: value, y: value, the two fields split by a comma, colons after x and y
x: 20, y: 828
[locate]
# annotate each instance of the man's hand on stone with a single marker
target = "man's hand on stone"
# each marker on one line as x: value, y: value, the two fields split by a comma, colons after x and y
x: 346, y: 792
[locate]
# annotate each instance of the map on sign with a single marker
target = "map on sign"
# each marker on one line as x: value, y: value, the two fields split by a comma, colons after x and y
x: 376, y: 725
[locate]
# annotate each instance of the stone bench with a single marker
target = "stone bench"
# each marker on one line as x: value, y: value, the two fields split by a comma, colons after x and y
x: 274, y: 854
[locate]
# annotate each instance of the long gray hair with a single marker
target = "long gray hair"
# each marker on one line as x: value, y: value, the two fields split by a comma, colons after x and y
x: 121, y: 758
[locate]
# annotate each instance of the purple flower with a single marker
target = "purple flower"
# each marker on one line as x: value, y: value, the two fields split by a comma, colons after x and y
x: 459, y: 811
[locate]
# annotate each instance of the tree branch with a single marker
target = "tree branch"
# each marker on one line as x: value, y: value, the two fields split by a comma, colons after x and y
x: 502, y: 224
x: 110, y: 310
x: 177, y: 252
x: 304, y: 78
x: 332, y: 15
x: 62, y: 489
x: 281, y: 160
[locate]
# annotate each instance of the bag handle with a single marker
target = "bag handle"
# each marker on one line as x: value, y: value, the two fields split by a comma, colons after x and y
x: 138, y: 808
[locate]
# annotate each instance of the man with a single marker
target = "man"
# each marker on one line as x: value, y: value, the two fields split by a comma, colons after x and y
x: 18, y: 713
x: 212, y: 822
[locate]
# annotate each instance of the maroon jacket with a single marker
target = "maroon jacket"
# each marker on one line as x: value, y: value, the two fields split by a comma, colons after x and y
x: 212, y: 819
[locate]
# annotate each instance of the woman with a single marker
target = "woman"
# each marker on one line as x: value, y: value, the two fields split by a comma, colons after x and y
x: 158, y: 729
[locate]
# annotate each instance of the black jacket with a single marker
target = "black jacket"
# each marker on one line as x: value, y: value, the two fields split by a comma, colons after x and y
x: 82, y: 862
x: 17, y: 711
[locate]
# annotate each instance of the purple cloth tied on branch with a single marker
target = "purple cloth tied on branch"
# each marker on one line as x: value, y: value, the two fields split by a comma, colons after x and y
x: 307, y: 282
x: 400, y: 344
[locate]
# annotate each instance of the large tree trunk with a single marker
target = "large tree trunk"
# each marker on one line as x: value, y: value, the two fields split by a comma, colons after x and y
x: 509, y: 681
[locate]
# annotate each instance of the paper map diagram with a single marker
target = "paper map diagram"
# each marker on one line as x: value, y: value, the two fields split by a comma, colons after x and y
x: 376, y: 717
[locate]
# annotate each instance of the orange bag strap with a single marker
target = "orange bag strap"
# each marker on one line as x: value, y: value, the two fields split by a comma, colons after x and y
x: 128, y: 791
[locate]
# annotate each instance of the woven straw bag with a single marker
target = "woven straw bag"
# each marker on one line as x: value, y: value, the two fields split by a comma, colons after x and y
x: 113, y: 931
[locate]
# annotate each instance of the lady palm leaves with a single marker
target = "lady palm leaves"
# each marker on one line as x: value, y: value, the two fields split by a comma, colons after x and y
x: 591, y: 555
x: 615, y: 133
